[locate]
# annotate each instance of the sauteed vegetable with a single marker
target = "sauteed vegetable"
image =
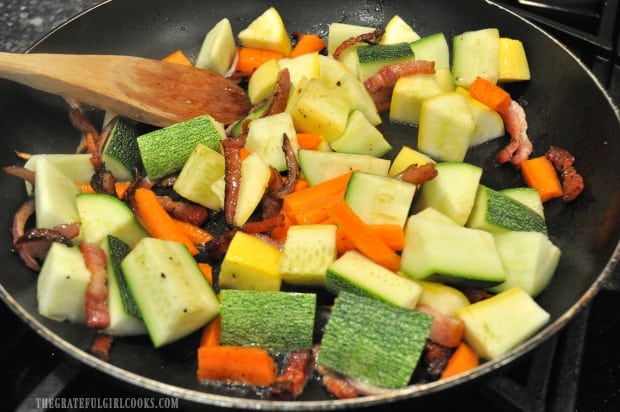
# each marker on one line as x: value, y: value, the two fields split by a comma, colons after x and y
x: 297, y: 240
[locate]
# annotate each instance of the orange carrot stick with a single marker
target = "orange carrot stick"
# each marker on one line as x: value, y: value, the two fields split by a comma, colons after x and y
x: 490, y: 94
x: 307, y: 43
x: 212, y: 333
x: 241, y: 364
x: 363, y: 237
x: 393, y: 235
x: 196, y: 234
x: 539, y: 173
x: 157, y: 222
x: 463, y: 359
x: 308, y: 140
x: 177, y: 57
x: 309, y: 205
x: 251, y: 58
x: 121, y: 189
x: 85, y: 188
x: 207, y: 270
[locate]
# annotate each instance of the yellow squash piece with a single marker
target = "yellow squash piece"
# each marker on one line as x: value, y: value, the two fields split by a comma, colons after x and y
x: 251, y: 264
x: 268, y: 32
x: 513, y: 66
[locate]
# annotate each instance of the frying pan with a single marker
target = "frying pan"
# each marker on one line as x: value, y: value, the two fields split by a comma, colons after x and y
x: 566, y: 106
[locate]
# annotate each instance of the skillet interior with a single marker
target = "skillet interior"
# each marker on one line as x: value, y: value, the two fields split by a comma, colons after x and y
x: 565, y: 107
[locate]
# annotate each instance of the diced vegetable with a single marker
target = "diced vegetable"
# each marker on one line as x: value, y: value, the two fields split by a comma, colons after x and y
x: 272, y: 320
x: 489, y: 123
x: 452, y: 192
x: 172, y: 294
x: 267, y: 31
x: 164, y: 151
x: 195, y: 182
x: 118, y: 220
x: 340, y: 32
x: 408, y: 95
x: 433, y: 47
x: 309, y: 205
x: 443, y: 298
x: 513, y: 65
x: 319, y: 166
x: 490, y: 94
x: 462, y: 360
x: 54, y: 196
x: 475, y: 53
x: 265, y: 137
x: 307, y: 43
x: 356, y: 344
x: 250, y: 263
x: 255, y: 174
x: 539, y: 173
x: 365, y: 239
x: 77, y: 167
x: 530, y: 260
x: 263, y: 78
x: 451, y: 254
x: 361, y: 137
x: 218, y: 49
x: 308, y: 252
x: 358, y: 97
x: 374, y: 57
x: 398, y: 31
x: 157, y: 222
x: 238, y: 364
x: 496, y: 212
x: 528, y: 196
x: 177, y: 57
x: 61, y: 284
x: 379, y: 199
x: 355, y: 273
x: 498, y: 324
x: 446, y: 126
x: 406, y: 157
x: 120, y: 152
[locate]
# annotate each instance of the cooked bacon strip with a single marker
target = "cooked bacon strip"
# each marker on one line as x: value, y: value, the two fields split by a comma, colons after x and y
x: 93, y: 150
x: 476, y: 294
x: 103, y: 181
x: 21, y: 172
x: 337, y: 384
x: 232, y: 156
x: 97, y: 313
x: 370, y: 38
x: 386, y: 77
x: 271, y: 203
x: 434, y: 358
x: 446, y: 330
x: 101, y: 346
x: 292, y: 167
x: 291, y: 383
x: 19, y: 224
x: 183, y: 210
x: 418, y: 174
x: 279, y: 97
x: 79, y: 120
x: 520, y: 146
x: 572, y: 182
x: 263, y: 226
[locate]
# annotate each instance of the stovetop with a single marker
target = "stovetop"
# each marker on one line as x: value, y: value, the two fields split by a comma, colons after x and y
x: 585, y: 371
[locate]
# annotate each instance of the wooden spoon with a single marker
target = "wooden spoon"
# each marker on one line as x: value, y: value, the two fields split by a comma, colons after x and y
x: 150, y: 91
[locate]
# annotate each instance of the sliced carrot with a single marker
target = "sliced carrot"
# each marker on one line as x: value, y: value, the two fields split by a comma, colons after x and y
x: 121, y: 189
x: 207, y: 270
x: 212, y: 333
x: 196, y: 234
x: 177, y: 57
x: 309, y: 205
x: 308, y: 140
x: 245, y: 153
x: 539, y: 173
x: 85, y: 188
x: 241, y: 364
x: 363, y: 237
x: 307, y: 43
x: 490, y: 94
x: 251, y: 58
x: 157, y: 222
x: 343, y: 242
x: 393, y: 235
x: 463, y: 359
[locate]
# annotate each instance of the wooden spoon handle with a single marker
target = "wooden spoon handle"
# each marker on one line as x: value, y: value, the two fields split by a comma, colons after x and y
x: 146, y: 90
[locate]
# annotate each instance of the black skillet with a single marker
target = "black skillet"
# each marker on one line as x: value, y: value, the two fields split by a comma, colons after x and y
x: 565, y: 107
